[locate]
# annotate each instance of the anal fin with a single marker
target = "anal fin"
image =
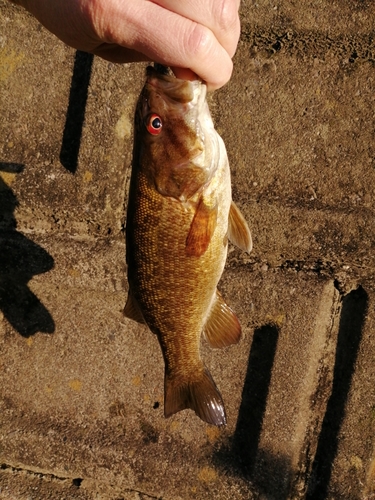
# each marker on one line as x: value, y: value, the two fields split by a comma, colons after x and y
x: 222, y: 327
x: 201, y: 395
x: 238, y: 230
x: 132, y: 310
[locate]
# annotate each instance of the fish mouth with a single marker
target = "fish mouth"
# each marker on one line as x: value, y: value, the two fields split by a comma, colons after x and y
x: 163, y: 70
x: 189, y: 96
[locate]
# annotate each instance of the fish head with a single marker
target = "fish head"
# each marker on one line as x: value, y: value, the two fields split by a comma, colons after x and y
x: 175, y: 135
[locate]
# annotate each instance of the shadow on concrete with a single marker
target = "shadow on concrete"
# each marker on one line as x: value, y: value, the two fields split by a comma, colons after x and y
x: 75, y: 115
x: 353, y: 314
x: 268, y: 473
x: 271, y: 476
x: 254, y: 398
x: 20, y: 260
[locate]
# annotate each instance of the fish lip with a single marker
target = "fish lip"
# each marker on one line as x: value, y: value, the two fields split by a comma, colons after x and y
x: 195, y: 89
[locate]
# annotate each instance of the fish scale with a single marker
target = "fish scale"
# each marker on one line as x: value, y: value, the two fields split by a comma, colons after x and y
x: 186, y: 292
x: 180, y: 215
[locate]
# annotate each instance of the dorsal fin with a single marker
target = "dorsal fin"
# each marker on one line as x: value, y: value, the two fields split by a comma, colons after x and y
x: 200, y: 394
x: 222, y: 327
x: 132, y: 310
x: 201, y: 230
x: 238, y: 230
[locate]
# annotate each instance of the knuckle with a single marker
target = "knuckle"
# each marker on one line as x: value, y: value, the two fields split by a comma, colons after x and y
x: 227, y: 15
x: 199, y: 42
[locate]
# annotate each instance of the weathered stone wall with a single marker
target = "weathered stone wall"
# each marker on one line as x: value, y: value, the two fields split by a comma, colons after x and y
x: 81, y: 387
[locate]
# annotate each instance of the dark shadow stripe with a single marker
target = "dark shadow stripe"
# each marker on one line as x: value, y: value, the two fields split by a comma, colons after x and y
x: 75, y: 115
x: 12, y: 168
x: 352, y: 319
x: 266, y: 473
x: 254, y: 397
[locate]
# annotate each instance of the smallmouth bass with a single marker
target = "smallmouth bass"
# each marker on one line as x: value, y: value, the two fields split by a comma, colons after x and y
x: 180, y: 217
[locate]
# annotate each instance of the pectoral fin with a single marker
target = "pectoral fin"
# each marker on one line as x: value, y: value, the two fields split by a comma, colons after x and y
x: 201, y: 230
x: 238, y: 230
x: 132, y: 310
x: 222, y: 327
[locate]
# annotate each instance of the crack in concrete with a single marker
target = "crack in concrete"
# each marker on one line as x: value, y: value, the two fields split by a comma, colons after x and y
x: 321, y: 376
x: 338, y: 271
x: 352, y: 317
x: 327, y: 404
x: 40, y: 474
x: 143, y: 494
x: 72, y: 481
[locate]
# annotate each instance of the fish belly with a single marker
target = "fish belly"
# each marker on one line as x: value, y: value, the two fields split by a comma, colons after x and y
x: 174, y: 290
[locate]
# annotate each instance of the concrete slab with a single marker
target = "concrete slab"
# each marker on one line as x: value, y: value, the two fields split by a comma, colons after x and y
x: 86, y: 401
x: 81, y: 390
x: 342, y: 462
x: 301, y: 151
x: 332, y: 18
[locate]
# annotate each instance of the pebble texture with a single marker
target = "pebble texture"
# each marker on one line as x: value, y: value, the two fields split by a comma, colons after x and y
x: 81, y: 392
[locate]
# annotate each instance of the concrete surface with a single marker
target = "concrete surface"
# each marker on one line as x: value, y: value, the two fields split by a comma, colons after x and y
x: 81, y: 391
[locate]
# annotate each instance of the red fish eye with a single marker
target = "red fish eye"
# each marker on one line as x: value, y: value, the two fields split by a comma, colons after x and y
x: 154, y: 124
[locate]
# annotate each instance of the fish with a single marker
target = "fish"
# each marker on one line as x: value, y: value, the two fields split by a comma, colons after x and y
x: 180, y: 216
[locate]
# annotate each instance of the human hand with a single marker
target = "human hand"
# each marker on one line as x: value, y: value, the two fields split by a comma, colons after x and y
x: 193, y: 37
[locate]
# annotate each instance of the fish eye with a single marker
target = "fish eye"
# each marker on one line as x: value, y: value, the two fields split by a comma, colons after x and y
x: 154, y: 124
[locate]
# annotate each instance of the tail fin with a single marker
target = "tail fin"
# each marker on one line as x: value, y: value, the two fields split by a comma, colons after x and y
x: 200, y: 395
